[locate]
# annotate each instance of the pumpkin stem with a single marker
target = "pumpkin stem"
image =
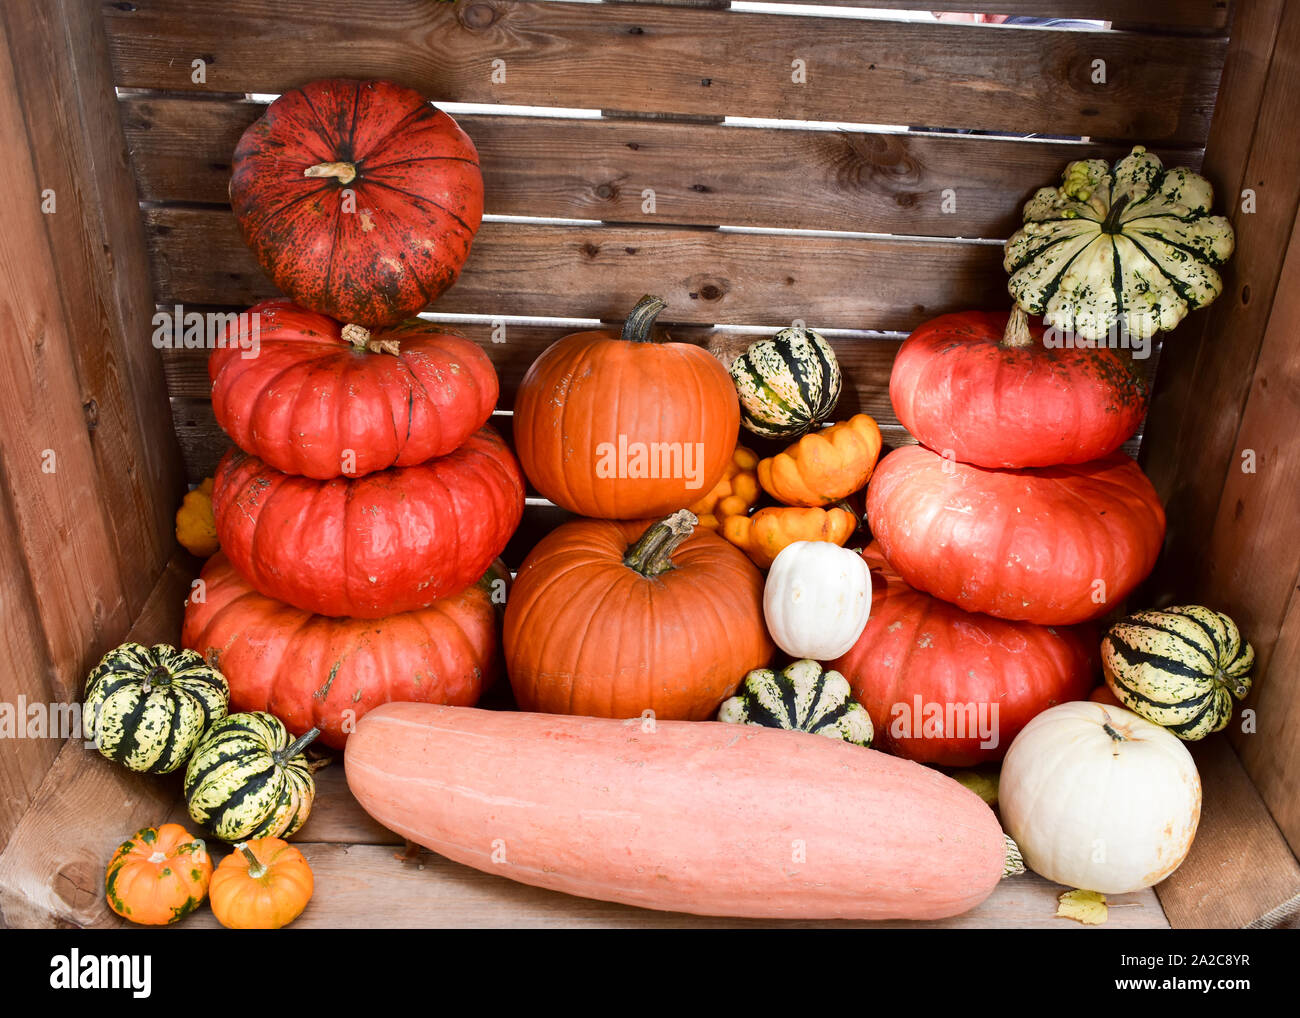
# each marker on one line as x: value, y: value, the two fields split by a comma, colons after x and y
x: 357, y: 335
x: 1017, y: 333
x: 637, y: 327
x: 158, y: 674
x: 256, y: 869
x: 653, y: 551
x: 297, y: 746
x: 1014, y: 864
x: 1111, y: 223
x: 344, y: 172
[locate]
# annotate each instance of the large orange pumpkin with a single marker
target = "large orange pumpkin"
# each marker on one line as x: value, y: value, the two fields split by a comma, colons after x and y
x: 368, y: 547
x: 625, y: 428
x: 953, y: 688
x: 1052, y: 545
x: 311, y: 671
x: 611, y: 619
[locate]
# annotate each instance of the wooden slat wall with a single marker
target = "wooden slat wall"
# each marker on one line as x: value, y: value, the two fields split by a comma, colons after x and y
x: 88, y: 459
x: 1158, y: 89
x: 1208, y: 16
x: 703, y: 173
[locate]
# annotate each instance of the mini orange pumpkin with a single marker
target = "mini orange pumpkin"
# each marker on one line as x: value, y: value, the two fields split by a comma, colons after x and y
x: 158, y: 875
x: 263, y: 884
x: 825, y: 466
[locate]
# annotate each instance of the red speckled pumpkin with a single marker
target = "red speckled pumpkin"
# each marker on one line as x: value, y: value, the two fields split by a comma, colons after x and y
x: 1053, y: 545
x: 998, y: 400
x: 314, y: 403
x: 358, y: 198
x: 610, y: 619
x: 371, y: 546
x: 916, y: 646
x: 625, y: 428
x: 316, y: 672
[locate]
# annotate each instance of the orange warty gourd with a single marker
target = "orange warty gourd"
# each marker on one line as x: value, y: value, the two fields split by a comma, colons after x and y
x: 824, y: 466
x: 158, y: 875
x: 263, y: 884
x: 690, y: 816
x: 625, y: 428
x: 612, y: 619
x: 766, y: 534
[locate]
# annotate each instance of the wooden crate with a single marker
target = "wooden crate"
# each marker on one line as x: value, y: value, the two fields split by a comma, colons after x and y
x: 750, y: 229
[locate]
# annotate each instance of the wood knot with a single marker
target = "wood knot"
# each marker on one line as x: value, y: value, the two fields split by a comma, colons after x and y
x: 91, y: 410
x: 606, y: 191
x: 477, y: 17
x: 590, y: 249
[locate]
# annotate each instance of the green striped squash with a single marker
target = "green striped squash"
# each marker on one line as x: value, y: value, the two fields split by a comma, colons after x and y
x: 249, y: 779
x: 1179, y: 668
x: 147, y: 707
x: 788, y: 385
x: 802, y: 697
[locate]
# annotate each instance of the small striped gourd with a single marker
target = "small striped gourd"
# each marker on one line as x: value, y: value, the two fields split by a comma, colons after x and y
x: 803, y: 697
x: 788, y: 384
x: 147, y: 707
x: 247, y: 779
x: 1179, y: 668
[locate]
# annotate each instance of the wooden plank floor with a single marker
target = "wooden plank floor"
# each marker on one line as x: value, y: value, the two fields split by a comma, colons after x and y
x: 362, y: 878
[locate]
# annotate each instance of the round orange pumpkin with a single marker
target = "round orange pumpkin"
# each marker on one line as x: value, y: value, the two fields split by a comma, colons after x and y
x: 158, y: 875
x: 262, y: 885
x: 625, y: 428
x: 611, y: 619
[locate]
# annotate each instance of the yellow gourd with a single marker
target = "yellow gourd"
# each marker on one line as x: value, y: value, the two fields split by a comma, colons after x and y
x: 195, y: 527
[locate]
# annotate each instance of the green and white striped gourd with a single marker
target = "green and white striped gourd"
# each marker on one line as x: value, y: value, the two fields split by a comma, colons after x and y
x: 802, y: 697
x: 147, y: 707
x: 788, y: 385
x: 249, y: 779
x: 1135, y: 244
x: 1179, y: 668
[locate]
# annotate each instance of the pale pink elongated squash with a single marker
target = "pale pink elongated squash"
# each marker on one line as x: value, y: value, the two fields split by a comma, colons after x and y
x: 703, y: 817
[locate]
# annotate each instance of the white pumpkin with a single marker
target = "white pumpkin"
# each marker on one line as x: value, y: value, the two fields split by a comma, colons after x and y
x: 817, y: 599
x: 1098, y: 798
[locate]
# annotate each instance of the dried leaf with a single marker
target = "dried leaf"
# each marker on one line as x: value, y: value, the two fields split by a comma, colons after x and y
x: 1087, y: 907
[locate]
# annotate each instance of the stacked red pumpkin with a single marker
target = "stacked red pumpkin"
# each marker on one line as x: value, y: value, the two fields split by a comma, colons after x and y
x: 365, y: 501
x: 1011, y: 526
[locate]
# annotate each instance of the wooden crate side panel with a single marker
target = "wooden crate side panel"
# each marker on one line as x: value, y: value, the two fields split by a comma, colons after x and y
x: 97, y: 244
x: 699, y: 174
x: 688, y: 61
x: 26, y: 671
x: 60, y: 517
x: 1198, y: 401
x: 1252, y: 562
